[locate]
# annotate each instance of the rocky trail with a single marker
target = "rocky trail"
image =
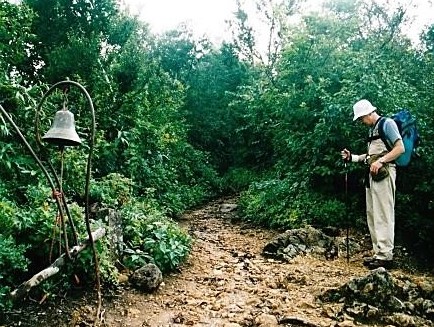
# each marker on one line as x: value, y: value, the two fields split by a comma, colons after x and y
x: 227, y: 282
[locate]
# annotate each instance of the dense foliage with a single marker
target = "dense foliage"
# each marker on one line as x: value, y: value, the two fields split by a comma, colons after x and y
x: 180, y: 120
x: 331, y: 62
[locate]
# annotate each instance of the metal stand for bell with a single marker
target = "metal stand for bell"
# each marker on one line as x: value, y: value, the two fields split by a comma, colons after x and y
x: 62, y: 133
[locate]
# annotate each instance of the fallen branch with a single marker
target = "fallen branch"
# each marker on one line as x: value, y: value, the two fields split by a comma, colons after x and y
x: 54, y: 268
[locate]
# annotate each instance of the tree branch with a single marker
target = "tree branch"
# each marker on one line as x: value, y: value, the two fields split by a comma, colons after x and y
x: 54, y: 268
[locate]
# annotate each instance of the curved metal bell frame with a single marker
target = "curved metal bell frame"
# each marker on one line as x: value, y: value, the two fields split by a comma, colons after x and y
x: 62, y: 132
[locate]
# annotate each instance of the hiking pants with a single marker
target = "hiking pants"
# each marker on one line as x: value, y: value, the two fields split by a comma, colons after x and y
x: 380, y: 212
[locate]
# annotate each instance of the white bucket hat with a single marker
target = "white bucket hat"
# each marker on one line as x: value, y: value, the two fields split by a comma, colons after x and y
x: 362, y: 108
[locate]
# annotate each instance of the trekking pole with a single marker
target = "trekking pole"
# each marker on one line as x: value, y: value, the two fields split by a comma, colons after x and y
x: 346, y: 208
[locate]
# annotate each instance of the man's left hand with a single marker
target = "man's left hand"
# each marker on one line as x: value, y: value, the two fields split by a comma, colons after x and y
x: 375, y: 167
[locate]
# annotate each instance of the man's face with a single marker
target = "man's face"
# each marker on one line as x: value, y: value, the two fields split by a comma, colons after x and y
x: 366, y: 119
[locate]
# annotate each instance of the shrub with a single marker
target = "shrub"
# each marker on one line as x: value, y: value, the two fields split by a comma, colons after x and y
x: 178, y: 198
x: 238, y: 179
x: 149, y: 236
x: 12, y: 261
x: 287, y: 204
x: 8, y: 212
x: 113, y: 190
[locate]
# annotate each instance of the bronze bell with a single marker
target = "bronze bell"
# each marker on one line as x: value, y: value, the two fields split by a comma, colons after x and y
x: 62, y: 132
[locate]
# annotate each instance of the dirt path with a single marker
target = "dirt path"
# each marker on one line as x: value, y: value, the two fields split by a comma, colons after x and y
x: 227, y: 283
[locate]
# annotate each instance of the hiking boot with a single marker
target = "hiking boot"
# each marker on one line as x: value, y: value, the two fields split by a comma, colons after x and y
x: 367, y: 261
x: 377, y: 263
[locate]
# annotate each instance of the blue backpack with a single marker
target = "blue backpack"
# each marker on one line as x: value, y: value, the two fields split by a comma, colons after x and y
x: 409, y: 133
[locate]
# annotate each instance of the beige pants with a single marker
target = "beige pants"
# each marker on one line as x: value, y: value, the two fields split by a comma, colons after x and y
x: 380, y: 212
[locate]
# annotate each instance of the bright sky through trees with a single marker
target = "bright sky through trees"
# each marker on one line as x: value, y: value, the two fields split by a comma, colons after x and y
x: 203, y: 16
x: 208, y: 16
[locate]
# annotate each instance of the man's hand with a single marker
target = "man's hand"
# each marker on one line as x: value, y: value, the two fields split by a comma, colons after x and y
x: 346, y: 155
x: 56, y: 194
x: 375, y: 167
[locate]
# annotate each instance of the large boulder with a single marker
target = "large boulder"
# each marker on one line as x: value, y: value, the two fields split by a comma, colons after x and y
x: 379, y: 297
x: 147, y: 278
x: 301, y: 241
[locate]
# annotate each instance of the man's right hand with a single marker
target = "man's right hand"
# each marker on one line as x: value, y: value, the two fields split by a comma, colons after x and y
x: 346, y: 155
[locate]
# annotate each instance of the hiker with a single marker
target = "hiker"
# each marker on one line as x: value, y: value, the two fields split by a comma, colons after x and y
x: 379, y: 182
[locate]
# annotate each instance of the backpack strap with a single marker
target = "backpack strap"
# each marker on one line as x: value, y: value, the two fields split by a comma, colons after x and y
x: 381, y: 135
